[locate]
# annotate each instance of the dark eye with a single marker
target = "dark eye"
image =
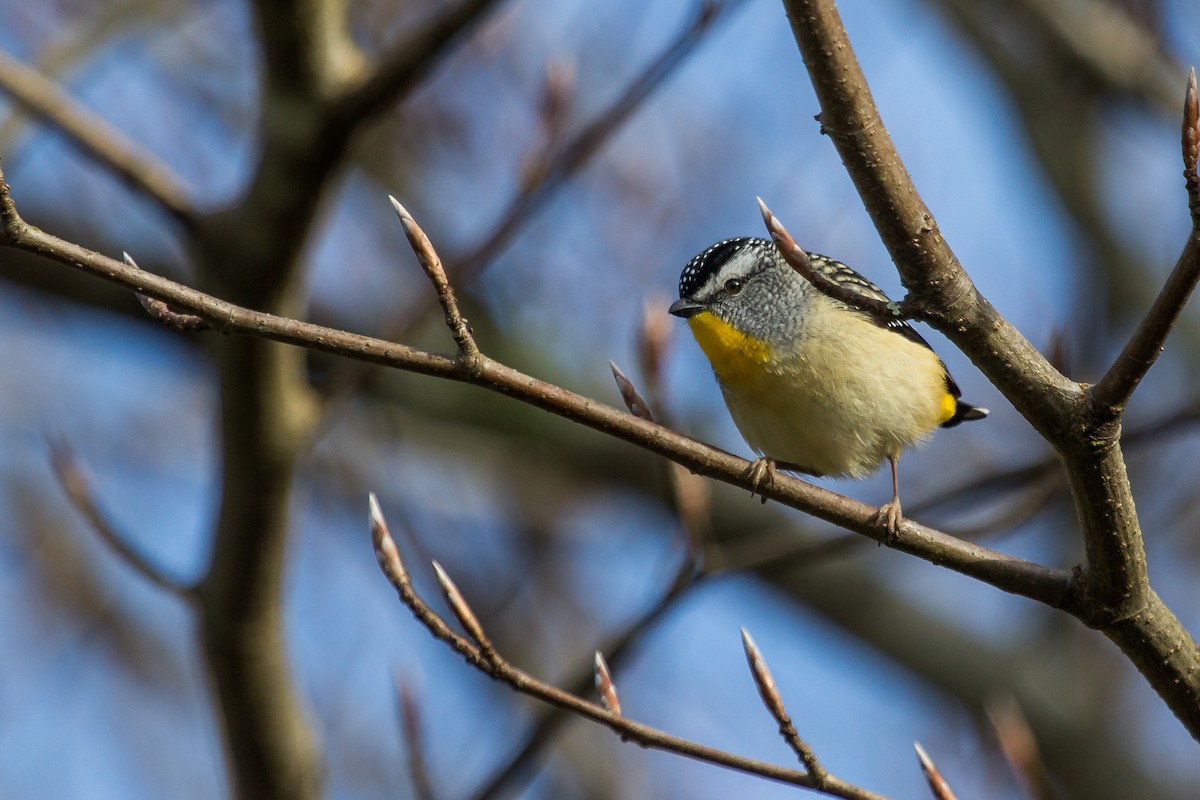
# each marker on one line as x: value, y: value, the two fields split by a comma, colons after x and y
x: 734, y: 285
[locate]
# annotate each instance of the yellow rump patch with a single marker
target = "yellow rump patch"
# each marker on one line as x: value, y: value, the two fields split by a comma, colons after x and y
x: 735, y: 357
x: 949, y: 406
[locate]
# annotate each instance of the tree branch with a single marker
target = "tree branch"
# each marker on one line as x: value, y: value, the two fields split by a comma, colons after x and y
x: 73, y: 480
x: 1112, y: 392
x: 132, y: 164
x: 1116, y: 594
x: 580, y: 149
x: 1050, y: 586
x: 494, y: 665
x: 941, y: 292
x: 409, y: 61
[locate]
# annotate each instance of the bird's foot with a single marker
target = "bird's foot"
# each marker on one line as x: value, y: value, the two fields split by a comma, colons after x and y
x: 889, y: 517
x: 761, y: 474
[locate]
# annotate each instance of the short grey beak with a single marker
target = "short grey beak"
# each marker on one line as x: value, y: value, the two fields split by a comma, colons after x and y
x: 685, y: 308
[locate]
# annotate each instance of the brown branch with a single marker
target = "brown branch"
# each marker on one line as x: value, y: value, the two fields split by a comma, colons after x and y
x: 495, y: 666
x: 1189, y: 136
x: 414, y: 743
x: 1050, y: 586
x: 797, y: 258
x: 582, y: 147
x: 941, y: 292
x: 774, y: 703
x: 1112, y: 392
x: 458, y: 604
x: 1139, y: 622
x: 548, y: 724
x: 1018, y: 745
x: 72, y: 477
x: 131, y: 163
x: 1116, y: 596
x: 410, y: 60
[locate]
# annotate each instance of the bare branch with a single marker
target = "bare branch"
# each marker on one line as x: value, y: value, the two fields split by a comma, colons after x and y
x: 774, y: 703
x: 73, y: 479
x: 414, y: 742
x: 797, y: 258
x: 941, y: 292
x: 937, y: 784
x: 410, y: 60
x: 468, y: 351
x: 547, y: 725
x: 1137, y: 619
x: 582, y: 147
x: 1115, y: 593
x: 605, y: 688
x: 1018, y: 745
x: 1112, y: 392
x: 644, y: 735
x: 131, y: 163
x: 386, y: 552
x: 1051, y: 586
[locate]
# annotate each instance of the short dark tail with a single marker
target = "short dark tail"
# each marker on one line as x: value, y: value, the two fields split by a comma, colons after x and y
x: 965, y: 412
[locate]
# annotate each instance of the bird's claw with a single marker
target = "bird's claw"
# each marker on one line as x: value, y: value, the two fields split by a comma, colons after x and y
x: 761, y: 474
x: 889, y: 517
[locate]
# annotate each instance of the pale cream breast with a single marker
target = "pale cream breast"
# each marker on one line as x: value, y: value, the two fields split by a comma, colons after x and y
x: 859, y: 393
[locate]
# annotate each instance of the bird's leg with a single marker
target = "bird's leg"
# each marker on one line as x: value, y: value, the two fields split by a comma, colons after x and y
x: 889, y: 516
x: 761, y: 474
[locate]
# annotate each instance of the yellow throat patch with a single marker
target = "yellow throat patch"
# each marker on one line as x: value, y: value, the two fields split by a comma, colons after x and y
x: 735, y: 357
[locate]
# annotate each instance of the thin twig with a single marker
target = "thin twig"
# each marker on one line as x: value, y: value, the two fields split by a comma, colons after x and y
x: 1018, y: 745
x: 73, y: 479
x: 497, y: 667
x: 797, y: 258
x: 774, y: 703
x: 1112, y: 392
x: 582, y: 147
x: 409, y: 61
x: 135, y: 166
x: 691, y: 495
x: 414, y: 741
x: 468, y: 351
x: 686, y: 578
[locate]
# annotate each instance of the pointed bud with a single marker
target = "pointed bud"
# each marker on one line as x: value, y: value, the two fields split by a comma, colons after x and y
x: 937, y: 784
x: 605, y: 688
x: 633, y: 401
x: 386, y: 552
x: 763, y: 680
x: 466, y: 616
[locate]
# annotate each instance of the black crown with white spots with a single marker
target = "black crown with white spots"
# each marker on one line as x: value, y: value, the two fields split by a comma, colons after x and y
x: 700, y: 268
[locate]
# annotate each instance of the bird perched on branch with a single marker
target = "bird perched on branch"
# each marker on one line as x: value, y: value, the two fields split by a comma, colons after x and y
x: 814, y: 384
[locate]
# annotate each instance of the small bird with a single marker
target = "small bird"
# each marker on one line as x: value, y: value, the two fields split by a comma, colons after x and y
x: 813, y: 384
